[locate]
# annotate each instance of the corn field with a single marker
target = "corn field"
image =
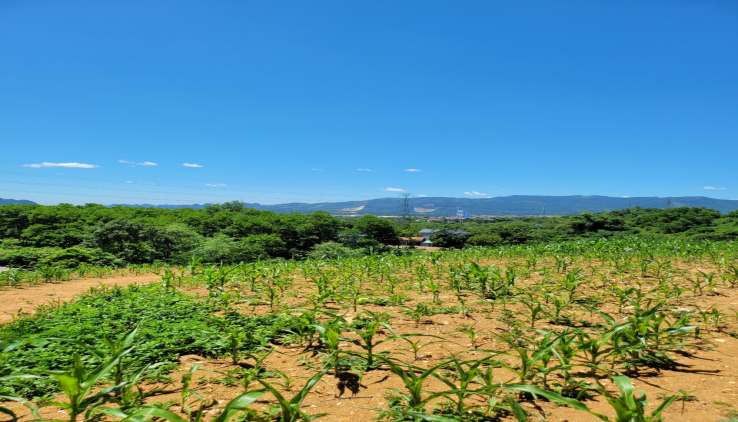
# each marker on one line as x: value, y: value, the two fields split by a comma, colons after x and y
x: 569, y: 331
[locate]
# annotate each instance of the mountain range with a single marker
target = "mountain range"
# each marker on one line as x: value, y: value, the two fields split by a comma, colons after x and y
x: 4, y: 201
x: 520, y: 205
x: 503, y: 205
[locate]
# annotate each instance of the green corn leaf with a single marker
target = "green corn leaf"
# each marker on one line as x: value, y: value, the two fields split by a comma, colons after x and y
x: 554, y: 397
x: 238, y: 404
x: 682, y: 329
x: 69, y: 384
x: 418, y: 415
x: 521, y: 415
x: 6, y: 411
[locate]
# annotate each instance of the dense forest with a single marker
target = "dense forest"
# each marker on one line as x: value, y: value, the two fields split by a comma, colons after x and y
x: 67, y: 235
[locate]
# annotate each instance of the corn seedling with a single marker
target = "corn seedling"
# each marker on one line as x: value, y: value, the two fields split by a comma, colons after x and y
x: 367, y: 340
x: 421, y: 310
x: 290, y: 410
x: 186, y: 391
x: 415, y: 346
x: 469, y: 331
x: 413, y: 397
x: 78, y: 383
x: 628, y: 407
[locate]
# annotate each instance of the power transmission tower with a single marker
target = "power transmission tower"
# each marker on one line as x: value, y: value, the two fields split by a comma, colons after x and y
x: 405, y: 202
x: 668, y: 203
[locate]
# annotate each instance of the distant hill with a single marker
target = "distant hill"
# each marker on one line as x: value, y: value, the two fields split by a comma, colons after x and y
x: 165, y: 206
x: 502, y: 205
x: 14, y: 201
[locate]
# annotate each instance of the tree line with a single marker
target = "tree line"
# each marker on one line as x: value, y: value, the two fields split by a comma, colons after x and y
x: 687, y: 222
x: 69, y: 235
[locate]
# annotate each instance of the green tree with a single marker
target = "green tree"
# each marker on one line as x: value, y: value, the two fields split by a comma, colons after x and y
x: 131, y: 241
x: 258, y: 246
x: 485, y: 240
x: 449, y: 239
x: 75, y: 256
x: 377, y: 230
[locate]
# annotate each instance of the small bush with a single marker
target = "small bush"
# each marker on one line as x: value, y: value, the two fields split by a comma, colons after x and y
x: 24, y: 257
x: 75, y: 256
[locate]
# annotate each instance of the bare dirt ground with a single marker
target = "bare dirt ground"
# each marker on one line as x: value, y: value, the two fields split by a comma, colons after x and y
x: 710, y: 376
x: 20, y: 300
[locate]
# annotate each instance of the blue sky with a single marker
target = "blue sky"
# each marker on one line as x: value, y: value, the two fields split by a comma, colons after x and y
x: 284, y: 101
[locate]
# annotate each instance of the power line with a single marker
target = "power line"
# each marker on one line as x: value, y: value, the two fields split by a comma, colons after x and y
x: 170, y: 186
x: 93, y: 187
x: 94, y: 195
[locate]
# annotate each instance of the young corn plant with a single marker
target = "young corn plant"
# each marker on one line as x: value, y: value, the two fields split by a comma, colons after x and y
x: 497, y: 405
x: 186, y: 392
x: 352, y: 291
x: 330, y: 337
x: 3, y: 397
x: 235, y: 341
x: 595, y: 348
x: 132, y: 395
x: 413, y: 398
x: 463, y: 375
x: 416, y: 346
x: 644, y: 340
x: 571, y: 282
x: 530, y: 363
x: 290, y: 411
x: 566, y: 351
x: 304, y: 330
x: 421, y: 310
x: 535, y: 311
x: 150, y: 414
x: 368, y: 341
x: 78, y: 383
x: 558, y: 305
x: 628, y: 407
x: 474, y: 335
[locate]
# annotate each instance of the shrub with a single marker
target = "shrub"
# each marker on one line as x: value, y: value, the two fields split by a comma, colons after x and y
x: 333, y: 250
x: 24, y: 257
x: 75, y: 256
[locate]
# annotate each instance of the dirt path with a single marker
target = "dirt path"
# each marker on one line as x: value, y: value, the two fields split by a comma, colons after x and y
x: 23, y: 300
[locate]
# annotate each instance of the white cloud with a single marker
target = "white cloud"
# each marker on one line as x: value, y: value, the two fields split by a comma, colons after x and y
x: 128, y: 181
x: 144, y: 163
x: 394, y: 190
x: 191, y: 165
x: 712, y: 188
x: 422, y: 196
x: 215, y: 184
x: 69, y: 165
x: 475, y: 193
x: 413, y: 170
x: 364, y: 169
x: 316, y: 169
x: 626, y: 196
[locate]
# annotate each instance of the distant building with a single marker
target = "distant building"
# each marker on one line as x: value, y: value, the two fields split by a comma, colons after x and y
x: 427, y: 233
x: 411, y: 241
x: 463, y: 214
